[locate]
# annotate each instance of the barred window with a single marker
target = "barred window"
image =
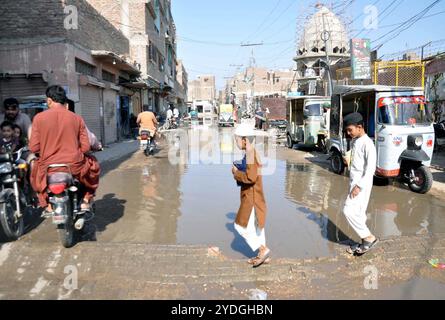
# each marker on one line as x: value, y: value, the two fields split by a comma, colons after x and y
x: 107, y: 76
x: 85, y: 68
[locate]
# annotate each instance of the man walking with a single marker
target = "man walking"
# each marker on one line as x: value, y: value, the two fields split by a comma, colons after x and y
x: 362, y: 169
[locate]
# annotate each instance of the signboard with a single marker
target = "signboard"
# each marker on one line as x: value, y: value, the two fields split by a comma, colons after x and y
x: 361, y: 59
x: 294, y: 94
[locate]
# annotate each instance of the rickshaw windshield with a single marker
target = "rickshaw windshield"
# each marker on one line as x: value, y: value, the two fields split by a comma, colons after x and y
x: 403, y: 111
x: 313, y: 110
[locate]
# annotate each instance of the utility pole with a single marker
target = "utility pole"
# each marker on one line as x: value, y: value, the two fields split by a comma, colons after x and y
x: 252, y: 79
x: 326, y: 36
x: 423, y: 50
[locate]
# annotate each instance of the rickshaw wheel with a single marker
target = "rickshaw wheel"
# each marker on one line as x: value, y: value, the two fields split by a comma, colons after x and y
x: 289, y: 142
x: 423, y: 180
x: 337, y: 165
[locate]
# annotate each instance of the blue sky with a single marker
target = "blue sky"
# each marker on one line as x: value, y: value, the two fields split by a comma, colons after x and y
x: 210, y: 31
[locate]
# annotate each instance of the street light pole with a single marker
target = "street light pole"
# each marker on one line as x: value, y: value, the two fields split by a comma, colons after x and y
x: 325, y: 36
x: 252, y: 79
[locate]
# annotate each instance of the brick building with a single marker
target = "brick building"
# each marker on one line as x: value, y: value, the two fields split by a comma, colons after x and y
x: 261, y: 82
x: 203, y: 88
x: 182, y: 77
x: 68, y: 42
x: 151, y: 31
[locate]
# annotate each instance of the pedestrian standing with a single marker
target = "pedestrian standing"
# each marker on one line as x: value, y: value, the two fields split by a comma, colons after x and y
x: 362, y: 169
x: 251, y: 217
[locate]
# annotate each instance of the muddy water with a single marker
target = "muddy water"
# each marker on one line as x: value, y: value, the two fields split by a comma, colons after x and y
x: 195, y: 202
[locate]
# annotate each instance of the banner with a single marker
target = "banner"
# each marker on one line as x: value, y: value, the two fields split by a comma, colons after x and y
x: 361, y: 59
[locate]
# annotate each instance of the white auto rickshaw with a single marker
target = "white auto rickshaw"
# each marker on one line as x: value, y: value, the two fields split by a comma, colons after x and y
x: 307, y: 122
x: 398, y: 120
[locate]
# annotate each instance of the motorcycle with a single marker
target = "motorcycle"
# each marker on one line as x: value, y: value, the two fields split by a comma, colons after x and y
x: 439, y: 133
x: 65, y: 196
x: 147, y: 142
x: 16, y: 194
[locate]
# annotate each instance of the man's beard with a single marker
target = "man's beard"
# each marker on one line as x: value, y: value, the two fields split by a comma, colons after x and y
x: 11, y: 118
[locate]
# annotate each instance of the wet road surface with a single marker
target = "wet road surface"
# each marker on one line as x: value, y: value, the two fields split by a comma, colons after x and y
x: 163, y: 201
x: 154, y: 201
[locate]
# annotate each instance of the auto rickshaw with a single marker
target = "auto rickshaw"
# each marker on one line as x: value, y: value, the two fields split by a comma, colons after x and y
x: 32, y: 105
x: 307, y: 121
x: 399, y: 122
x: 226, y: 115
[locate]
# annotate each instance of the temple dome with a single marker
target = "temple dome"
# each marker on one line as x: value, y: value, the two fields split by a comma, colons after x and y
x: 311, y: 43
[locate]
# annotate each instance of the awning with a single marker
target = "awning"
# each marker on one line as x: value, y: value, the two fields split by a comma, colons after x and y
x: 135, y: 84
x: 114, y: 59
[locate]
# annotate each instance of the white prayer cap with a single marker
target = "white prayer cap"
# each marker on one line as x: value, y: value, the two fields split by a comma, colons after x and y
x: 244, y: 130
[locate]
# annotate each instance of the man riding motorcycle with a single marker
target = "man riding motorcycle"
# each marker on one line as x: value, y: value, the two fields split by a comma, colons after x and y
x: 60, y: 137
x: 147, y: 121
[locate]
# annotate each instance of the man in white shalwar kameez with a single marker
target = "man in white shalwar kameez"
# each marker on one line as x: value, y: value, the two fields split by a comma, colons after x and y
x: 362, y: 169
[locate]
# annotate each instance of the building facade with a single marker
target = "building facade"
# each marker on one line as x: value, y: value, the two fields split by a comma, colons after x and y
x: 259, y: 82
x: 203, y: 88
x: 182, y: 77
x: 151, y: 31
x: 74, y: 46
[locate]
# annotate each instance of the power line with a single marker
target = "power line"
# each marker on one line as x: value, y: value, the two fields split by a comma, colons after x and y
x: 280, y: 15
x: 233, y: 44
x: 378, y: 16
x: 406, y: 25
x: 392, y: 10
x: 265, y: 20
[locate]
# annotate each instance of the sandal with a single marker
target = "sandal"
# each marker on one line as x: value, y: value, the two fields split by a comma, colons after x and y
x: 366, y: 247
x: 85, y: 206
x: 261, y: 259
x: 352, y: 249
x: 252, y: 261
x: 47, y: 213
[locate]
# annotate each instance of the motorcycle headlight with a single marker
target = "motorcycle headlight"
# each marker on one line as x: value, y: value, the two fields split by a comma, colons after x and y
x: 418, y: 141
x: 5, y: 168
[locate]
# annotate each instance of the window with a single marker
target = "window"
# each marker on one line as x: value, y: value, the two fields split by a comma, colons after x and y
x: 158, y: 16
x: 153, y: 53
x: 85, y: 68
x: 161, y: 62
x: 107, y: 76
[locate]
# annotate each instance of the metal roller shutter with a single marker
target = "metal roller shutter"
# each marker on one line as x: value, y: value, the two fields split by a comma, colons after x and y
x: 19, y: 87
x: 90, y: 109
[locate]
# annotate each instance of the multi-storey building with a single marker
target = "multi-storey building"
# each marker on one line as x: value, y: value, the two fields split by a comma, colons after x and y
x: 203, y: 88
x: 68, y: 42
x: 151, y: 31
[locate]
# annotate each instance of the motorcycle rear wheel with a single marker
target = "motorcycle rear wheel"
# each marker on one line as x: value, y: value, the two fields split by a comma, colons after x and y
x: 67, y: 232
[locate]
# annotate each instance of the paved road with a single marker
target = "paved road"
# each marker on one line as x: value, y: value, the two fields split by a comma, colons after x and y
x: 158, y: 227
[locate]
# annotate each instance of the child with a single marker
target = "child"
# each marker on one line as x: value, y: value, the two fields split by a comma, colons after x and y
x: 362, y: 169
x: 20, y: 137
x: 8, y: 143
x: 251, y: 216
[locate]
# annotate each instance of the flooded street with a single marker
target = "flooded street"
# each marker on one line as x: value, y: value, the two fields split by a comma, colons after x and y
x: 158, y: 220
x: 154, y: 201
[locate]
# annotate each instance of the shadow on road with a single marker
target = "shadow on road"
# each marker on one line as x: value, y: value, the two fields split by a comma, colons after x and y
x: 238, y: 244
x: 109, y: 210
x: 439, y: 177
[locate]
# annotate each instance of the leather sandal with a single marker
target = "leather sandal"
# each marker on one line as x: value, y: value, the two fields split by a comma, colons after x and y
x: 261, y: 259
x: 366, y: 247
x: 85, y: 206
x: 252, y: 261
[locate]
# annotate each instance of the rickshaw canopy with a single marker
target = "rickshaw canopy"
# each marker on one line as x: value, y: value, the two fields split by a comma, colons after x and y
x: 346, y: 90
